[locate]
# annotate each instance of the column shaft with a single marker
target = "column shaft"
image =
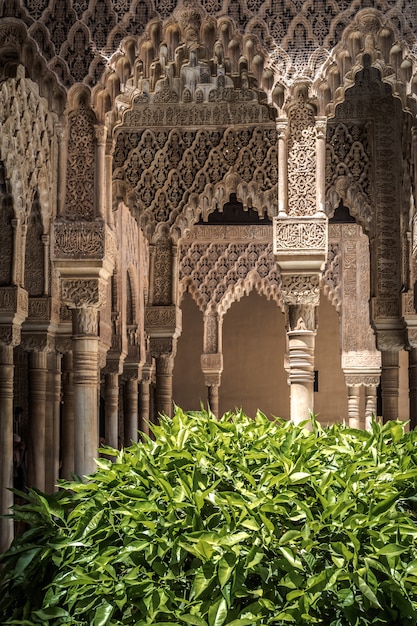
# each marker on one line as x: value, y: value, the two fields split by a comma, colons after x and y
x: 130, y: 411
x: 67, y: 436
x: 301, y: 375
x: 412, y: 385
x: 213, y: 399
x: 111, y: 418
x: 52, y: 426
x: 37, y: 419
x: 6, y: 444
x: 144, y: 405
x: 353, y: 407
x: 370, y: 404
x: 164, y: 385
x: 389, y: 384
x: 85, y: 360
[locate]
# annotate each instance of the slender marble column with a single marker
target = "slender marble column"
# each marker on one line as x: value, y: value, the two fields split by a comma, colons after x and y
x: 67, y: 418
x: 164, y: 369
x: 370, y: 404
x: 353, y: 407
x: 282, y: 126
x: 52, y: 426
x: 111, y: 417
x: 320, y: 164
x: 85, y: 377
x: 131, y: 411
x: 213, y: 399
x: 38, y: 370
x: 301, y: 344
x: 412, y: 385
x: 390, y: 384
x: 144, y: 403
x: 101, y: 134
x: 6, y: 444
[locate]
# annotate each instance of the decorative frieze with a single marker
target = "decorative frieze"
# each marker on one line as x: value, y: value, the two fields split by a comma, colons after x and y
x: 13, y: 299
x: 162, y: 320
x: 211, y: 363
x: 300, y: 244
x: 79, y: 239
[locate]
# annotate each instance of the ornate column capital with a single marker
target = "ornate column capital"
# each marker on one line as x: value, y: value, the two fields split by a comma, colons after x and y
x: 82, y: 293
x: 85, y: 322
x: 300, y: 289
x: 100, y: 131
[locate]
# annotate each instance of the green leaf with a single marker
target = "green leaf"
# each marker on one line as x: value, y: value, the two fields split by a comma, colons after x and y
x: 217, y: 613
x: 103, y: 614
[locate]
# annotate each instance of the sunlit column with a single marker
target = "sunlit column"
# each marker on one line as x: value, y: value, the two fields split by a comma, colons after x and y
x: 130, y: 411
x: 85, y: 377
x: 6, y: 444
x: 390, y: 384
x: 354, y: 406
x: 412, y: 385
x: 370, y: 404
x: 111, y: 407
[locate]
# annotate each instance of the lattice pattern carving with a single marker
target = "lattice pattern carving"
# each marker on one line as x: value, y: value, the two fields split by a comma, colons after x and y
x: 160, y: 170
x: 218, y: 274
x: 299, y: 33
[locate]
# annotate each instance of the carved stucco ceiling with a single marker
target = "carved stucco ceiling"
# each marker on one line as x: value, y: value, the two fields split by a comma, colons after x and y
x: 77, y: 37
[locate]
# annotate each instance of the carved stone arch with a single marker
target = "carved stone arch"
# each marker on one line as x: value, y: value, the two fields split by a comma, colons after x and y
x: 243, y: 287
x: 19, y: 57
x: 366, y: 168
x: 344, y: 190
x: 370, y: 39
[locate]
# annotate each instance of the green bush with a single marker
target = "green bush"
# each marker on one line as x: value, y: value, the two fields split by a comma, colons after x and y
x: 232, y: 522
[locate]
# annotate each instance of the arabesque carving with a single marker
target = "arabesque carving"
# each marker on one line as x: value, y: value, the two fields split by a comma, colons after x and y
x: 219, y: 273
x: 79, y: 293
x: 301, y: 289
x: 79, y: 239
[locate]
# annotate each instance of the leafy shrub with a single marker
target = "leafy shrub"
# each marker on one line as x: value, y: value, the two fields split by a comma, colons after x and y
x: 232, y: 522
